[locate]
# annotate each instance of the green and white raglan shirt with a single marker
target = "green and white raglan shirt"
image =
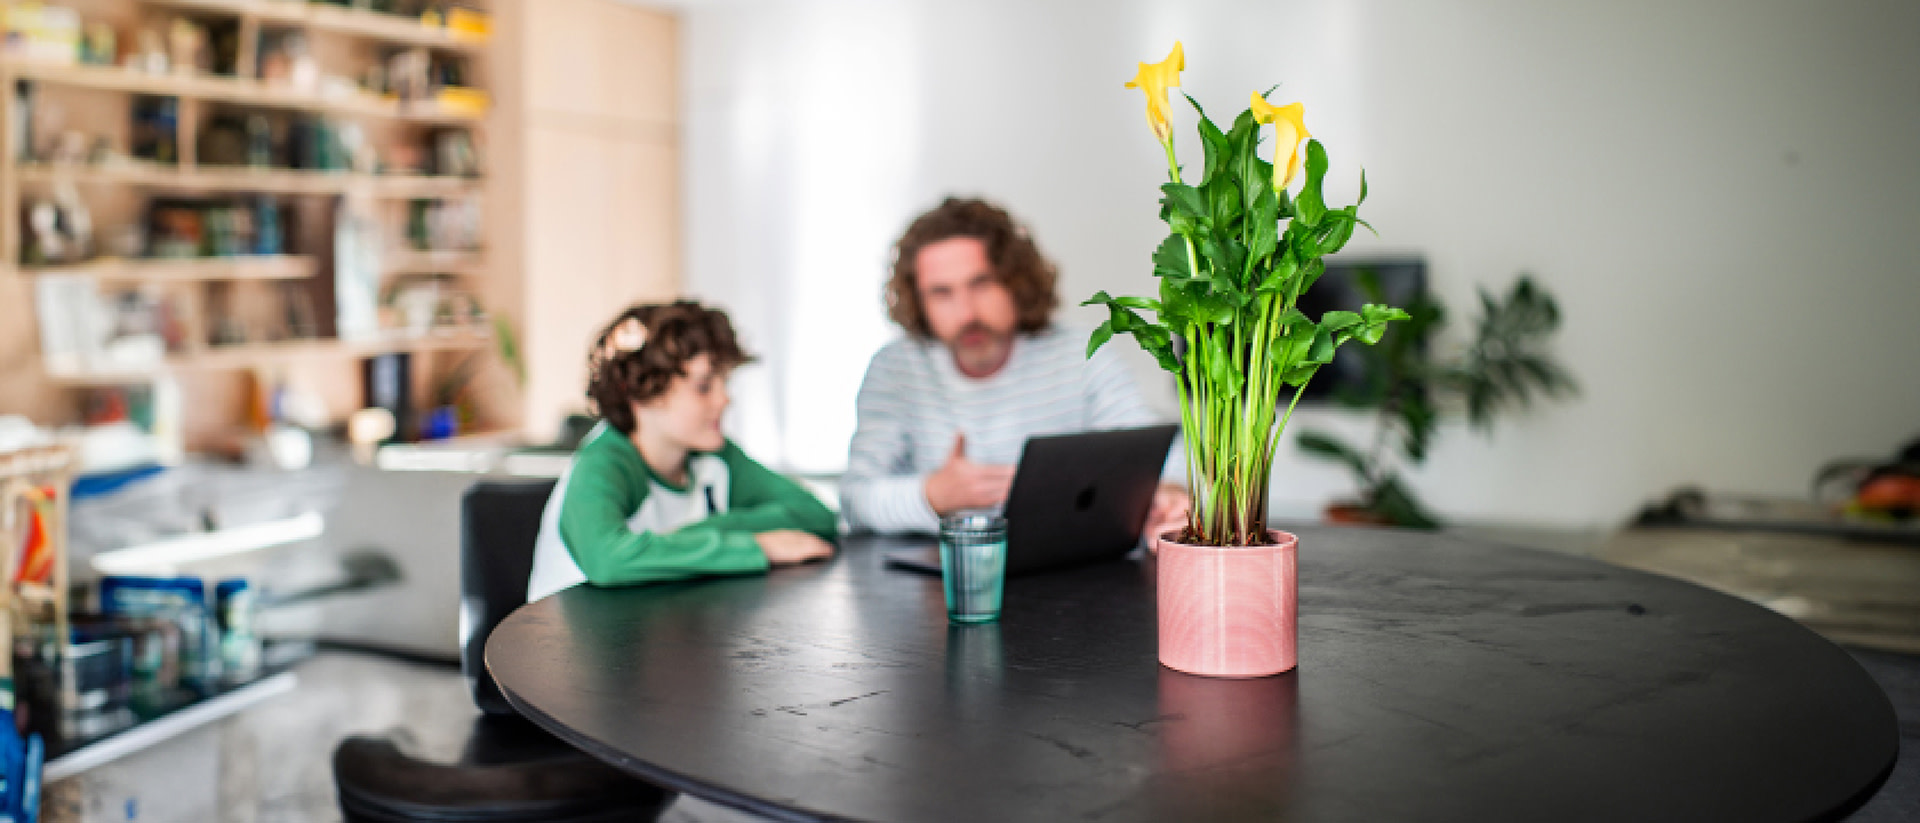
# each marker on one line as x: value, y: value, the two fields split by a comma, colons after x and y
x: 612, y: 521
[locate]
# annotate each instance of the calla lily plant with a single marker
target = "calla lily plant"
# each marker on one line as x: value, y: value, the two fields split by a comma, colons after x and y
x: 1240, y: 252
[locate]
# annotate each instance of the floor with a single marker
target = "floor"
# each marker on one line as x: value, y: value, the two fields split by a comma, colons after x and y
x: 1856, y: 593
x: 271, y: 763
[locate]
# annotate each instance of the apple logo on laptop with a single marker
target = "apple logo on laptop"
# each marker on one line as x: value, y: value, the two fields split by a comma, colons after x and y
x: 1084, y: 500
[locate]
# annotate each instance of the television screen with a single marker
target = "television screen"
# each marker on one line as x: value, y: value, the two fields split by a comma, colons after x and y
x: 1401, y: 280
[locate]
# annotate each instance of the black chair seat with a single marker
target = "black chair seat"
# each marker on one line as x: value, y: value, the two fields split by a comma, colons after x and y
x: 509, y: 771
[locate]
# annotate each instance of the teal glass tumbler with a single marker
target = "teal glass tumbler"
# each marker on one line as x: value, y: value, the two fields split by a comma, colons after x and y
x: 973, y: 566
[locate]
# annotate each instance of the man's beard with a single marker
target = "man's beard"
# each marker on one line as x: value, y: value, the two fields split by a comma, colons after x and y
x: 986, y: 351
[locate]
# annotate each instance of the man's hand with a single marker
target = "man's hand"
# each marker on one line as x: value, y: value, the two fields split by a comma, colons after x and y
x: 1169, y: 513
x: 964, y: 484
x: 790, y: 547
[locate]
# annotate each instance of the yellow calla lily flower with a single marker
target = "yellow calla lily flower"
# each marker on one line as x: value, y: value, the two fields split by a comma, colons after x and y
x: 1289, y: 128
x: 1155, y: 79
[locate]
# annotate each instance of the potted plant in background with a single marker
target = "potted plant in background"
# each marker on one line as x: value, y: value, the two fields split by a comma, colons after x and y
x: 1503, y: 369
x: 1241, y: 250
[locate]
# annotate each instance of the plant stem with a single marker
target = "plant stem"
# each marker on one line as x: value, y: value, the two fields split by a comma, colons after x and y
x: 1289, y: 416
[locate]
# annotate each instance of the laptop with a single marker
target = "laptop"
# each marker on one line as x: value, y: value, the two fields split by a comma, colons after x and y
x: 1076, y: 499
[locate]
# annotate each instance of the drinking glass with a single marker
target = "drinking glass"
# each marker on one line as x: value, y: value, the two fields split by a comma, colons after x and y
x: 973, y: 565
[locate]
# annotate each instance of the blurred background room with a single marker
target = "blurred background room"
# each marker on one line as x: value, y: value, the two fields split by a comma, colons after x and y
x: 281, y: 280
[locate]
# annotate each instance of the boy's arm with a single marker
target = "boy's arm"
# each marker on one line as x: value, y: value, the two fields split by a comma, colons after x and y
x: 760, y: 500
x: 593, y: 526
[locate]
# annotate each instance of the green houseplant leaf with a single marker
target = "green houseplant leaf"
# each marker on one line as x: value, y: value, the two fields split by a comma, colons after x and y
x: 1505, y: 369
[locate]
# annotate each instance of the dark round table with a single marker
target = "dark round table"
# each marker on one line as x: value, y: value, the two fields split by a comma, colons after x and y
x: 1439, y: 679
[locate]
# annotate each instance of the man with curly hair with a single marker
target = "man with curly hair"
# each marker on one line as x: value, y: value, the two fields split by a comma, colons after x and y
x: 945, y: 411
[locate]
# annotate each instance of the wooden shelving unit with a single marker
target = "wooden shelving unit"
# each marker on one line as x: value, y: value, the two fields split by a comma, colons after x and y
x: 219, y: 179
x: 259, y: 355
x: 187, y: 270
x: 236, y: 90
x: 374, y: 25
x: 264, y: 289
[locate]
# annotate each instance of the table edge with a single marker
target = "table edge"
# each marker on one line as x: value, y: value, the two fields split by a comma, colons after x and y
x: 662, y: 777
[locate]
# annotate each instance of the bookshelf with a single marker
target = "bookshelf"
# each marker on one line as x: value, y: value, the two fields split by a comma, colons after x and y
x: 386, y: 162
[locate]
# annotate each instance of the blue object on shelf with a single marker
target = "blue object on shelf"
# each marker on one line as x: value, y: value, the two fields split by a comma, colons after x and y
x: 442, y: 422
x: 36, y: 757
x: 19, y: 775
x: 105, y: 483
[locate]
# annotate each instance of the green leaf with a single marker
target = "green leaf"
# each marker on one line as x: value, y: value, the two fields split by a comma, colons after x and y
x: 1195, y: 301
x: 1311, y: 206
x: 1251, y: 174
x: 1196, y: 106
x: 1170, y: 259
x: 1263, y: 227
x: 1336, y: 231
x: 1299, y: 376
x: 1375, y: 313
x: 1157, y: 343
x: 1290, y: 322
x: 1219, y: 151
x: 1320, y: 351
x: 1220, y: 304
x: 1223, y: 204
x: 1121, y: 319
x: 1101, y: 334
x: 1101, y: 298
x: 1163, y: 355
x: 1310, y: 274
x: 1374, y: 319
x: 1293, y: 342
x: 1285, y: 267
x: 1363, y: 189
x: 1186, y: 209
x: 1229, y: 261
x: 1334, y: 321
x: 1316, y: 161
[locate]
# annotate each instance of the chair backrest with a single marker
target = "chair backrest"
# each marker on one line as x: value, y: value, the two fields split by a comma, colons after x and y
x: 499, y: 522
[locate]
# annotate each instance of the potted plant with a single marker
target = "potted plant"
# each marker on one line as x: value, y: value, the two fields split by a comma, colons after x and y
x: 1503, y: 368
x: 1241, y: 250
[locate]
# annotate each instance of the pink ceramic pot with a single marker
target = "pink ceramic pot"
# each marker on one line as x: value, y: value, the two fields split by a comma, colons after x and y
x: 1229, y: 611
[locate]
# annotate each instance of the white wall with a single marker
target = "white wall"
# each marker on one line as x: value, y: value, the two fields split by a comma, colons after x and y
x: 1722, y: 194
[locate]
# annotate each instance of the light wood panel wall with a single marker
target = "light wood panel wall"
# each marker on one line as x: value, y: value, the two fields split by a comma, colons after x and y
x: 599, y: 159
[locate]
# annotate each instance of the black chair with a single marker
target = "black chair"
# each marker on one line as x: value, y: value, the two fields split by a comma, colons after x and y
x: 509, y: 770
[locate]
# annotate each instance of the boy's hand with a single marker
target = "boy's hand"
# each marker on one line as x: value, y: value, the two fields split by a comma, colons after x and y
x: 789, y: 547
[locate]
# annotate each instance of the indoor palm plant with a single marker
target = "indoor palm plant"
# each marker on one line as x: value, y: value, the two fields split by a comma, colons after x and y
x: 1241, y: 250
x: 1504, y: 368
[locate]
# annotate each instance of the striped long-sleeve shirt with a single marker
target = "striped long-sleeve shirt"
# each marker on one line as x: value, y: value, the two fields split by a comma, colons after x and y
x: 914, y: 400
